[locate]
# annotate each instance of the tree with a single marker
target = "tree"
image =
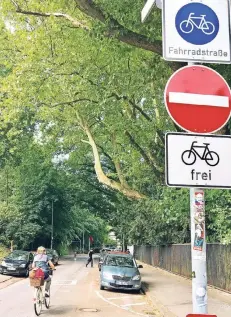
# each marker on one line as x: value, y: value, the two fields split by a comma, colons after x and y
x: 115, y: 83
x: 85, y: 79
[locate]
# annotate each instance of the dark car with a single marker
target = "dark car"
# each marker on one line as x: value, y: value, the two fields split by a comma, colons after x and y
x: 17, y: 263
x: 53, y: 256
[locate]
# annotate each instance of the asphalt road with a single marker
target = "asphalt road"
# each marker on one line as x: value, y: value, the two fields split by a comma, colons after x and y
x: 74, y: 293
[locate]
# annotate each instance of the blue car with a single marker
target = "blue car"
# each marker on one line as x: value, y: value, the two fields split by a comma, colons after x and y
x: 120, y: 271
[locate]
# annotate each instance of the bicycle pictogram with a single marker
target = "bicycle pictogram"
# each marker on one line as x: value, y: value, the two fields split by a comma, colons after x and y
x: 198, y: 22
x: 210, y: 157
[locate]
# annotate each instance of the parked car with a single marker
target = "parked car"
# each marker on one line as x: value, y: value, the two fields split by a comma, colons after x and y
x: 18, y: 262
x: 120, y: 271
x: 53, y: 256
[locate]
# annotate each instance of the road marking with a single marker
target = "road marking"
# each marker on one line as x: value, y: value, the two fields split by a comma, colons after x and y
x: 118, y: 306
x: 65, y: 282
x: 65, y: 290
x: 122, y: 297
x: 135, y: 304
x: 198, y: 99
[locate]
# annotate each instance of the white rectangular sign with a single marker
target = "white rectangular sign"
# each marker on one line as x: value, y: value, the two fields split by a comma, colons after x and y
x: 195, y: 160
x: 196, y: 31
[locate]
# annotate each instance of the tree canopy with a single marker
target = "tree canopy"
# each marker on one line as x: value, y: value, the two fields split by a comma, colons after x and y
x: 83, y: 124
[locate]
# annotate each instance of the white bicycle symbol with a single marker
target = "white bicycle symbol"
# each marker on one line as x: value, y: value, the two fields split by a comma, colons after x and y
x: 187, y: 26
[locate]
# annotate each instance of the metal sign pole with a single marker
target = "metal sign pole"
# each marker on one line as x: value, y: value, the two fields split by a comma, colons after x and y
x: 197, y: 215
x: 198, y: 251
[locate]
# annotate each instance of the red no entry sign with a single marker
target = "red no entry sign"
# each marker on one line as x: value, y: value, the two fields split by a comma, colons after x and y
x: 198, y: 99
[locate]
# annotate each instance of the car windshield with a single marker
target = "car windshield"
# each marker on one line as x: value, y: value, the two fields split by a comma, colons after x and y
x: 121, y: 261
x: 18, y: 256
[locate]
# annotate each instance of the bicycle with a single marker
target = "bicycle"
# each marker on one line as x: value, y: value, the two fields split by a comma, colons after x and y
x: 210, y: 157
x: 39, y: 294
x: 187, y: 26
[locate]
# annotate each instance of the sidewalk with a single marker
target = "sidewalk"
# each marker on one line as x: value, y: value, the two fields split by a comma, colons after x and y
x: 4, y: 278
x: 172, y: 294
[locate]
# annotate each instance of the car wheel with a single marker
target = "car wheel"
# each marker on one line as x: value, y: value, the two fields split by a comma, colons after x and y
x: 26, y: 273
x: 101, y: 287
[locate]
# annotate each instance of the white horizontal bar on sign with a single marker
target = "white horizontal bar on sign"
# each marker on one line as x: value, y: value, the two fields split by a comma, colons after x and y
x: 198, y: 99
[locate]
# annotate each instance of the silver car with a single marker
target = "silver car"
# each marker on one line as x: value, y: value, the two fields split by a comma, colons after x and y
x: 120, y: 271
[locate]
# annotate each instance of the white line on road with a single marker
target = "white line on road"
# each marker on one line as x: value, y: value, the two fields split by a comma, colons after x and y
x: 65, y: 282
x: 135, y: 304
x: 198, y: 99
x: 118, y: 306
x: 122, y: 297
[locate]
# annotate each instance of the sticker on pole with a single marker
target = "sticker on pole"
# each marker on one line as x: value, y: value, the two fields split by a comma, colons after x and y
x: 199, y: 217
x: 197, y: 23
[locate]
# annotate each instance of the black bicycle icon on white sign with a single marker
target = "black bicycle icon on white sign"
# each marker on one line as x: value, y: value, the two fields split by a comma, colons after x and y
x: 210, y: 157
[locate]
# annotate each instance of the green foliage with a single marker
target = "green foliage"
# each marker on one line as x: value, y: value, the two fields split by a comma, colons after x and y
x: 93, y: 68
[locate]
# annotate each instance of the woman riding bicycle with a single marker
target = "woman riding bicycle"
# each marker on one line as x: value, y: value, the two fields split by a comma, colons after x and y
x: 41, y: 261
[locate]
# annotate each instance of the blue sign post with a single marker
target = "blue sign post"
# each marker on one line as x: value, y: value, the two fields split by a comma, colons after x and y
x: 197, y: 23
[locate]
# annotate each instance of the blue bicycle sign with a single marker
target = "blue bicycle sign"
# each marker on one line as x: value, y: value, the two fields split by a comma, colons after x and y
x: 187, y: 26
x: 197, y: 23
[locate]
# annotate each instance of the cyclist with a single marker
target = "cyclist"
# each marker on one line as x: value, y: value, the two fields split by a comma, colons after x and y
x: 41, y: 261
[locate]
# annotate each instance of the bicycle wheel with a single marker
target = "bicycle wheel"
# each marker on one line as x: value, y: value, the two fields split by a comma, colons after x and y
x: 47, y: 300
x: 186, y: 26
x: 38, y: 301
x: 208, y: 29
x: 188, y: 157
x: 212, y: 158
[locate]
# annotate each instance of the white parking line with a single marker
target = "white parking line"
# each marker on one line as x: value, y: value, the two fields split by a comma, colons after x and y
x: 135, y: 304
x: 121, y: 297
x: 118, y: 306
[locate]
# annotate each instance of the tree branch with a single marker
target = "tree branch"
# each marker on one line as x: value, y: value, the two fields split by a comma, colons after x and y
x: 130, y: 193
x: 70, y: 103
x: 132, y: 103
x: 117, y: 30
x: 117, y: 163
x: 156, y: 169
x: 73, y: 21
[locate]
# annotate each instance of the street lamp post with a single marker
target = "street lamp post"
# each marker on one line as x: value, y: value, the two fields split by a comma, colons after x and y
x: 52, y: 223
x: 83, y: 239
